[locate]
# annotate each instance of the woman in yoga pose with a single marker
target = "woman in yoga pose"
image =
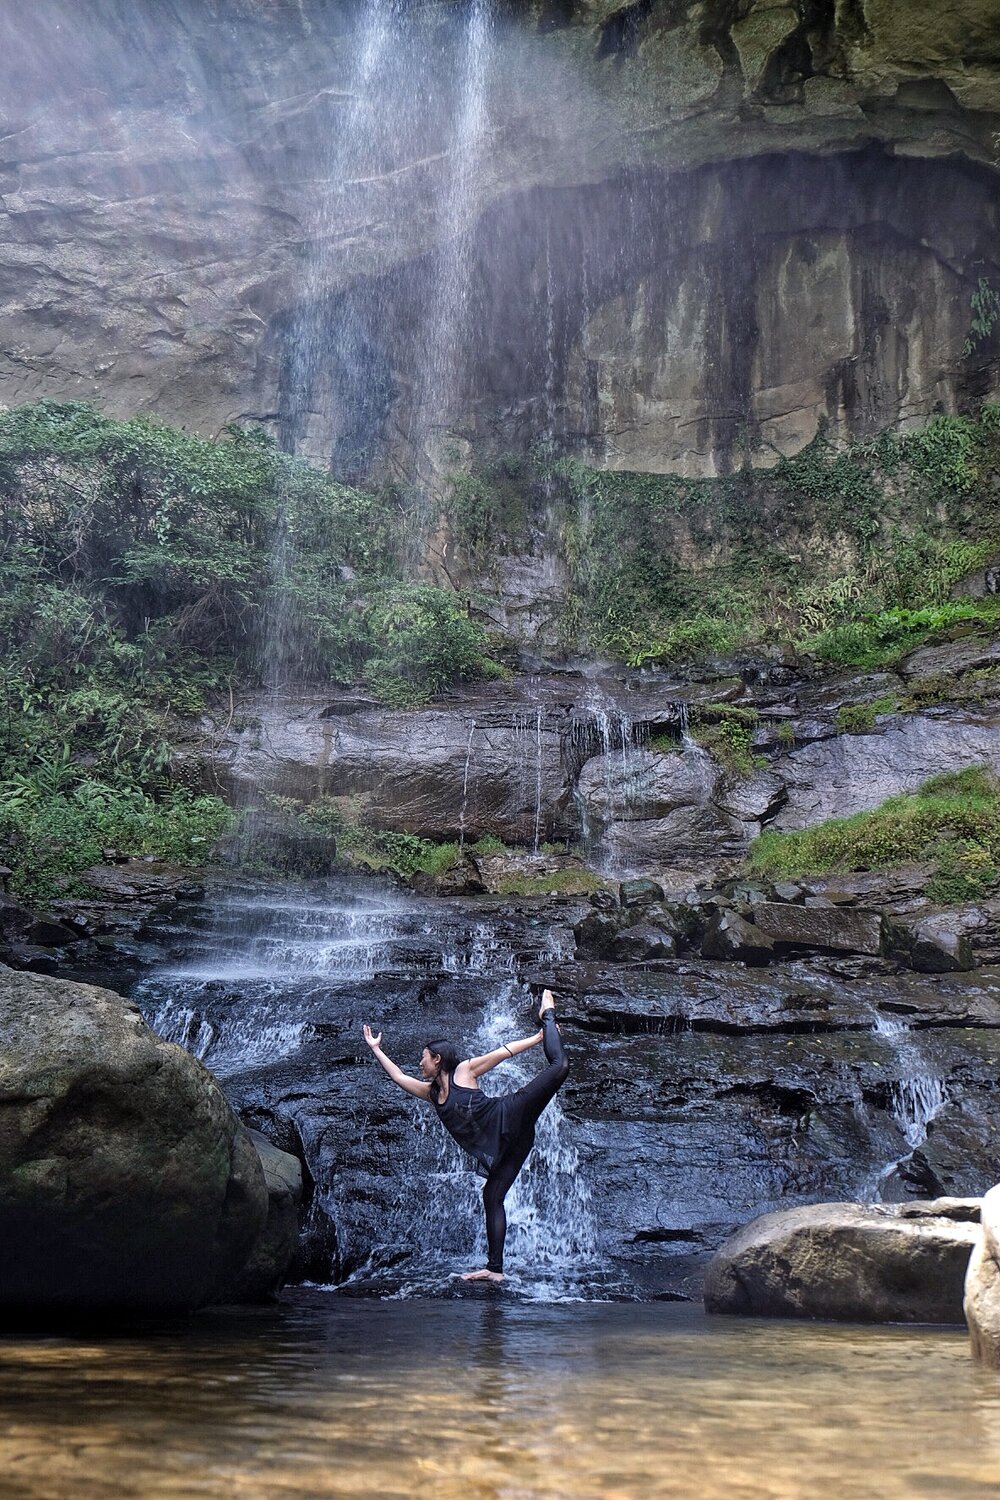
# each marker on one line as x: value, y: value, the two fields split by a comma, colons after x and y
x: 498, y: 1130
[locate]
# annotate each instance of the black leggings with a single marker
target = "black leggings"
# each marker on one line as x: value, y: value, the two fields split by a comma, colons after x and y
x: 523, y: 1108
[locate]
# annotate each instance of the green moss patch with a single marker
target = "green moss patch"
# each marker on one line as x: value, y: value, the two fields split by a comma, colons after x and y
x: 953, y: 821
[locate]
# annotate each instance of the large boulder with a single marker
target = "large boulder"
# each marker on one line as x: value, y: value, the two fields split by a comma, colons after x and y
x: 835, y: 928
x: 653, y: 809
x: 126, y: 1180
x: 877, y: 1263
x: 266, y: 1269
x: 730, y: 937
x: 982, y: 1285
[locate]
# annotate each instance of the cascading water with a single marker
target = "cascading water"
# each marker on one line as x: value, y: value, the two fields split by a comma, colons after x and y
x: 465, y: 785
x: 226, y: 1000
x: 607, y: 735
x: 451, y: 311
x: 915, y: 1100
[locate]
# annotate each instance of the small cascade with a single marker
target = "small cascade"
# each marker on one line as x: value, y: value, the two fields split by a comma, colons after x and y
x: 528, y: 754
x: 465, y: 785
x: 608, y: 734
x: 915, y: 1100
x: 226, y: 1000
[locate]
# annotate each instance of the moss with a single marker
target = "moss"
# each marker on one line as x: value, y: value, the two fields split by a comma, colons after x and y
x: 953, y: 820
x: 858, y: 718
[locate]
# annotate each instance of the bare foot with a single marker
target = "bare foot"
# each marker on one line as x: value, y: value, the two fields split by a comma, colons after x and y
x: 483, y: 1275
x: 548, y: 1003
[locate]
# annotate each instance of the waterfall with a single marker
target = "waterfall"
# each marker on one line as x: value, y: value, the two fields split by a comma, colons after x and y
x: 915, y: 1100
x: 465, y: 785
x: 528, y: 755
x: 226, y: 1000
x: 450, y: 319
x: 607, y: 733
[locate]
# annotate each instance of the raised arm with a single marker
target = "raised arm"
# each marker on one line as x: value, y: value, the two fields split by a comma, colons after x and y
x: 414, y: 1086
x: 480, y: 1065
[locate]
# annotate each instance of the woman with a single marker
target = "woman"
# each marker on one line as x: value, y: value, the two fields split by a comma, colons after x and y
x: 499, y: 1130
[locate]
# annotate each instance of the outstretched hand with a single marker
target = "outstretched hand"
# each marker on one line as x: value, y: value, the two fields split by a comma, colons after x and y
x: 370, y: 1037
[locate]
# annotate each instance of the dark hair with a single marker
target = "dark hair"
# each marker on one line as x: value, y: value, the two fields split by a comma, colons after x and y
x: 449, y: 1062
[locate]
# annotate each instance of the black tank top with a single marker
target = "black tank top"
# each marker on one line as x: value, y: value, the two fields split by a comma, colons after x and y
x: 477, y: 1121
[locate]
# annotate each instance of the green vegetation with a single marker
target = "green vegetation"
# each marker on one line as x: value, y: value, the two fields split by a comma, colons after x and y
x: 952, y: 821
x: 727, y: 733
x: 858, y: 718
x: 847, y: 553
x: 362, y: 845
x: 142, y: 571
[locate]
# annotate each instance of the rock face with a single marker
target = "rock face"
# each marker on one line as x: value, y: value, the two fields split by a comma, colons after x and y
x: 567, y: 757
x: 126, y: 1181
x: 855, y: 772
x: 684, y: 224
x: 861, y: 1264
x: 982, y: 1285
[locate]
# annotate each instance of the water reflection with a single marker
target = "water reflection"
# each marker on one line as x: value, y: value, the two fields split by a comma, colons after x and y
x: 497, y: 1401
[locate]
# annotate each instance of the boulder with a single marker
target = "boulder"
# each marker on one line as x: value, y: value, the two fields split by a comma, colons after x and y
x: 731, y: 937
x: 640, y: 892
x: 642, y: 943
x: 266, y: 1269
x: 837, y: 928
x: 982, y: 1285
x: 867, y: 1263
x: 19, y: 925
x: 126, y: 1180
x: 755, y: 798
x: 596, y: 933
x: 939, y: 943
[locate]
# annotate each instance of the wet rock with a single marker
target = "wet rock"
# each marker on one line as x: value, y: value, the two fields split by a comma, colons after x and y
x: 859, y: 1263
x: 730, y: 937
x: 463, y: 879
x: 939, y: 943
x: 639, y: 892
x: 643, y: 943
x: 281, y: 844
x: 266, y: 1268
x: 18, y: 925
x: 755, y: 798
x: 126, y: 1180
x: 657, y: 810
x: 843, y: 930
x: 982, y: 1285
x: 856, y: 772
x: 513, y: 872
x: 786, y: 890
x: 489, y: 765
x: 596, y: 933
x: 953, y: 659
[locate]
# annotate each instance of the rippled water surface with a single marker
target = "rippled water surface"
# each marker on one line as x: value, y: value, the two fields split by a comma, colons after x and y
x: 485, y: 1399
